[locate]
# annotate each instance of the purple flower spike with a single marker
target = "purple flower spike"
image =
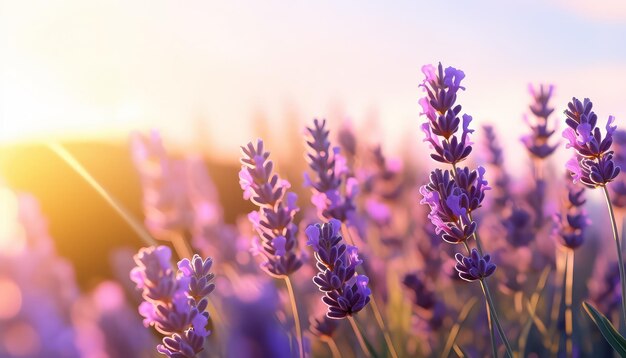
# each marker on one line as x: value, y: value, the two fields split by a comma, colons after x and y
x: 452, y: 199
x: 501, y: 194
x: 519, y: 227
x: 323, y: 326
x: 345, y: 292
x: 197, y: 271
x: 537, y: 142
x: 475, y: 267
x: 330, y: 170
x: 571, y: 231
x: 593, y: 162
x: 175, y: 303
x: 273, y: 221
x: 443, y: 116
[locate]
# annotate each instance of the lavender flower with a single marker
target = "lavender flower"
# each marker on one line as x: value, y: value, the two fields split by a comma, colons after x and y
x: 571, y: 230
x: 347, y: 139
x: 200, y: 286
x: 179, y: 198
x: 274, y: 220
x: 452, y: 199
x: 251, y: 307
x: 106, y: 325
x: 537, y: 142
x: 38, y: 286
x: 166, y: 208
x: 475, y: 267
x: 618, y: 188
x: 323, y: 327
x: 424, y: 298
x: 607, y: 294
x: 174, y: 304
x: 345, y: 292
x: 519, y: 227
x: 593, y: 162
x: 443, y: 115
x: 501, y: 192
x: 453, y: 195
x: 329, y: 168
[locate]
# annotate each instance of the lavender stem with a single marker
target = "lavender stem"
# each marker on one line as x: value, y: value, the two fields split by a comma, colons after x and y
x: 492, y: 336
x: 476, y: 237
x: 296, y: 316
x: 622, y: 275
x: 359, y: 336
x: 333, y: 348
x: 569, y: 283
x: 485, y: 287
x: 375, y: 309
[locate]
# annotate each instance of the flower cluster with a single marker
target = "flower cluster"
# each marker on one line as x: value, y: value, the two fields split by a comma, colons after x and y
x: 443, y: 115
x: 166, y: 208
x: 499, y: 177
x: 179, y: 197
x: 329, y: 167
x: 475, y: 267
x: 618, y: 188
x: 323, y: 327
x: 607, y: 294
x: 277, y: 207
x: 537, y: 142
x: 423, y: 293
x: 593, y: 162
x: 518, y: 225
x: 571, y: 231
x: 175, y: 302
x: 451, y: 199
x: 345, y: 292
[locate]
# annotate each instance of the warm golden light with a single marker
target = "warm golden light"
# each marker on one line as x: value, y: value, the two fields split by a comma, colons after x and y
x: 12, y: 235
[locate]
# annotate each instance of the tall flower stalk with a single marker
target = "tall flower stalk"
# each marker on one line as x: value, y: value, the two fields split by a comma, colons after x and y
x: 569, y: 231
x: 454, y: 194
x: 593, y: 164
x: 345, y: 291
x: 175, y: 302
x: 334, y: 191
x: 538, y: 145
x: 273, y: 221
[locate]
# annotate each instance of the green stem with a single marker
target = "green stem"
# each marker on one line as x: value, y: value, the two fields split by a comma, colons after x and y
x: 483, y: 284
x: 456, y: 328
x: 494, y: 347
x: 551, y: 340
x: 492, y: 336
x: 569, y: 283
x: 359, y: 337
x: 334, y: 350
x: 296, y: 316
x: 622, y: 274
x: 377, y: 315
x: 476, y: 237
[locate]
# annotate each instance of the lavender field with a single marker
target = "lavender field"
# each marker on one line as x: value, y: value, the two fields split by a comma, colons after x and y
x: 444, y: 206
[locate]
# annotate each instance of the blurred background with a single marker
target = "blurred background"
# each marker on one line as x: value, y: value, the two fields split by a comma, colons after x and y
x: 213, y: 75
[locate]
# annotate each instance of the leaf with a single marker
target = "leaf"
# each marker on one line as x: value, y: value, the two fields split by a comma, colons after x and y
x: 457, y: 327
x: 609, y: 332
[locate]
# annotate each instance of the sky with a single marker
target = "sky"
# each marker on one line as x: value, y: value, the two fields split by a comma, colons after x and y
x: 204, y: 71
